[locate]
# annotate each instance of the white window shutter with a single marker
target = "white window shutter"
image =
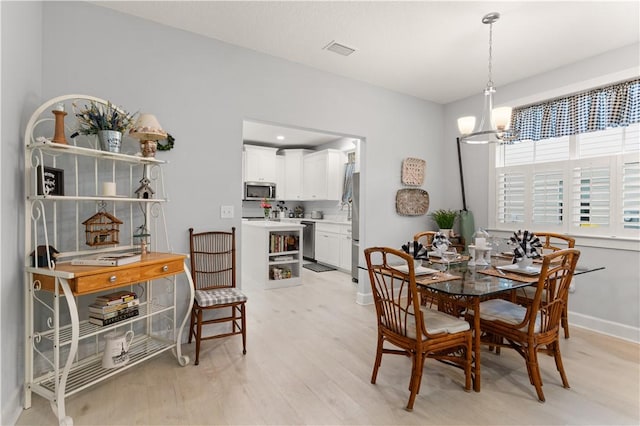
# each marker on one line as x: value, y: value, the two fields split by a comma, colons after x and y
x: 510, y: 193
x: 548, y: 198
x: 591, y: 194
x: 631, y: 195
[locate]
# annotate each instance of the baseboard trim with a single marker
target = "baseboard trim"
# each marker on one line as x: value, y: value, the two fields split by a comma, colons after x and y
x: 364, y: 298
x: 610, y: 328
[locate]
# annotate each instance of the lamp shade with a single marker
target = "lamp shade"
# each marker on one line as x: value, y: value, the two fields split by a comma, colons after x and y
x: 501, y: 118
x: 147, y: 128
x: 466, y: 124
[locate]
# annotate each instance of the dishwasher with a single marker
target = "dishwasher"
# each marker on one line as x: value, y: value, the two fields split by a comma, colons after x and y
x: 309, y: 240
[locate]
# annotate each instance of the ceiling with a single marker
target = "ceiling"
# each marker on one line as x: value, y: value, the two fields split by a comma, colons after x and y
x: 433, y: 50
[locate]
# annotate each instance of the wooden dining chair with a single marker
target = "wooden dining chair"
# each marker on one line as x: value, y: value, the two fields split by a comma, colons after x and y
x: 412, y: 330
x: 551, y: 242
x: 535, y: 327
x: 213, y: 269
x: 425, y: 238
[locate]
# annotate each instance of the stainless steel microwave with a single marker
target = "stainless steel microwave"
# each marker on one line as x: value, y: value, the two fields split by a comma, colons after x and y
x: 259, y: 190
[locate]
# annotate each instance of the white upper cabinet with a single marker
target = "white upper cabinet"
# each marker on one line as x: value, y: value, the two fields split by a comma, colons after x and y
x: 323, y: 175
x: 281, y: 184
x: 293, y: 166
x: 259, y: 164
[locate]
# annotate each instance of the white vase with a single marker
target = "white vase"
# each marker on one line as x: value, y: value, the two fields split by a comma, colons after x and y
x: 525, y: 262
x: 446, y: 232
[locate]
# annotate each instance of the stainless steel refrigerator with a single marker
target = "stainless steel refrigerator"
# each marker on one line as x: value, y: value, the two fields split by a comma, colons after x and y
x: 355, y: 226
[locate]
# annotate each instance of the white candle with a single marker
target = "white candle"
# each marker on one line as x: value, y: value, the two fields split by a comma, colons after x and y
x: 59, y: 107
x: 480, y: 243
x: 109, y: 189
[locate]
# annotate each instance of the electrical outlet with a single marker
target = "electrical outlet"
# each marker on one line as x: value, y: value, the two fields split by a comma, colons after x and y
x: 226, y: 212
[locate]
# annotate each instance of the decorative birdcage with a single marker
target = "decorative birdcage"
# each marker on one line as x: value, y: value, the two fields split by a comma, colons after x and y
x: 102, y: 229
x: 142, y: 239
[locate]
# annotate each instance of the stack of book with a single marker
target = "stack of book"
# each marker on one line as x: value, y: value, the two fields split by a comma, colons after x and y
x: 114, y: 307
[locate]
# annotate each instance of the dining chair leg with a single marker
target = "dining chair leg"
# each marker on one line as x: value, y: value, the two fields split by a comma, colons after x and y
x: 467, y: 366
x: 243, y: 322
x: 418, y: 362
x: 192, y: 323
x: 378, y: 360
x: 558, y: 357
x: 534, y: 371
x: 198, y: 336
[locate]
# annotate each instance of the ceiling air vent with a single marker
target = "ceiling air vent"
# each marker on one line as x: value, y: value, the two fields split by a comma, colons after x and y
x: 340, y: 49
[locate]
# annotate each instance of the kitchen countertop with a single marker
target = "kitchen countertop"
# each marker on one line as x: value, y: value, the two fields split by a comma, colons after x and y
x: 306, y: 219
x: 270, y: 224
x: 289, y: 220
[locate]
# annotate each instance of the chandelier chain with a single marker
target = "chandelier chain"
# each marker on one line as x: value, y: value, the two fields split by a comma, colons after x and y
x: 490, y: 82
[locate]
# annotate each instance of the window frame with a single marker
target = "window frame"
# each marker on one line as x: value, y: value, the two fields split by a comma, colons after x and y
x: 614, y: 162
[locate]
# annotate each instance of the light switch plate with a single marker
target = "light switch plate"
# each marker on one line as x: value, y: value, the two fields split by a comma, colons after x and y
x: 226, y: 212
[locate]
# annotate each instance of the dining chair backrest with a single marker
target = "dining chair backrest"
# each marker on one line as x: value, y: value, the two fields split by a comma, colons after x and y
x: 425, y: 238
x: 553, y: 242
x: 395, y: 293
x: 545, y: 312
x: 213, y: 259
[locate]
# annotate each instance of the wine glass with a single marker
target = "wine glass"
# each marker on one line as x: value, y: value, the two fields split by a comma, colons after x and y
x: 449, y: 255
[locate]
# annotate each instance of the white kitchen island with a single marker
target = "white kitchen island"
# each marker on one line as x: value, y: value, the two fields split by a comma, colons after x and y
x: 271, y: 254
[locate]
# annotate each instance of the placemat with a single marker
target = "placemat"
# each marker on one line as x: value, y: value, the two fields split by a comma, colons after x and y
x: 510, y: 275
x: 436, y: 278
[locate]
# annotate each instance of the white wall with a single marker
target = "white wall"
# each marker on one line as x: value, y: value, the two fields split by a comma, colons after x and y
x: 599, y: 296
x: 201, y: 90
x: 21, y: 87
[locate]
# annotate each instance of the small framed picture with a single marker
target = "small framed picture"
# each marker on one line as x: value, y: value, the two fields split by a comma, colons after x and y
x: 53, y: 180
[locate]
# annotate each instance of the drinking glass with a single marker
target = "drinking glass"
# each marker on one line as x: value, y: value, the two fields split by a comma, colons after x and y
x: 449, y: 255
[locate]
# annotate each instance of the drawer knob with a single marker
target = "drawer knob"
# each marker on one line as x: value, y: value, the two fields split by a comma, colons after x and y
x: 165, y: 268
x: 112, y: 279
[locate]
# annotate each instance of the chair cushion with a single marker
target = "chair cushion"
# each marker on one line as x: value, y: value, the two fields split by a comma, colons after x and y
x: 438, y: 322
x: 505, y: 311
x: 219, y: 296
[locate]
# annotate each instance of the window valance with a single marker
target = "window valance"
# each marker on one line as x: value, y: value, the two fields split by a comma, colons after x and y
x: 597, y: 109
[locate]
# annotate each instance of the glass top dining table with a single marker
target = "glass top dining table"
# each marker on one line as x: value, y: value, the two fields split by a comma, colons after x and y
x: 472, y: 284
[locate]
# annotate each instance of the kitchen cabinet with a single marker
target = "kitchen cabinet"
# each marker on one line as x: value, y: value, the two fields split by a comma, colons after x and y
x: 293, y: 175
x: 323, y: 175
x: 63, y: 348
x: 281, y: 184
x: 345, y: 247
x: 272, y: 253
x: 333, y: 244
x: 259, y: 163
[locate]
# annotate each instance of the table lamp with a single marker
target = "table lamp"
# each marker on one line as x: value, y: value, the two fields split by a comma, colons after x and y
x: 148, y: 130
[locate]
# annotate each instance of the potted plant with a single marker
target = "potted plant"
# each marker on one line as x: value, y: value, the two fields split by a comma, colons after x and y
x: 445, y: 219
x: 107, y: 121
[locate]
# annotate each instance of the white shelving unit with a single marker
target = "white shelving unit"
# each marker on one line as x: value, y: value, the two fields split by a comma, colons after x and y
x: 272, y: 254
x: 63, y: 350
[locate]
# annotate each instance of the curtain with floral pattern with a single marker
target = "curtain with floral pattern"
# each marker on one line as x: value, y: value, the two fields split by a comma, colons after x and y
x: 597, y: 109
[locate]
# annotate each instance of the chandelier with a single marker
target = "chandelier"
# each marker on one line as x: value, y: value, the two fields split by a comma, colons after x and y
x: 495, y: 121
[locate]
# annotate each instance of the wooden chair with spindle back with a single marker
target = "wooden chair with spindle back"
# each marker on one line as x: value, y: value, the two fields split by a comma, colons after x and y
x: 213, y: 268
x: 413, y: 330
x: 551, y: 242
x: 535, y: 327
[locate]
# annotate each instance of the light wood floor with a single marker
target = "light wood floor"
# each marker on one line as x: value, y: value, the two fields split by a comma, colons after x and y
x: 309, y: 358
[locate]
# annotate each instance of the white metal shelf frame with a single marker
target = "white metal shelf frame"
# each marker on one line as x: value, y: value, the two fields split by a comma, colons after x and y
x: 65, y: 372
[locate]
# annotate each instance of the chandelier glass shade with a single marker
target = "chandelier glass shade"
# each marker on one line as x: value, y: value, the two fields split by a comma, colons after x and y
x: 495, y: 121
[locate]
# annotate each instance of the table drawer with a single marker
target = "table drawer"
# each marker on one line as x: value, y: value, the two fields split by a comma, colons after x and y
x: 104, y: 281
x: 162, y: 269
